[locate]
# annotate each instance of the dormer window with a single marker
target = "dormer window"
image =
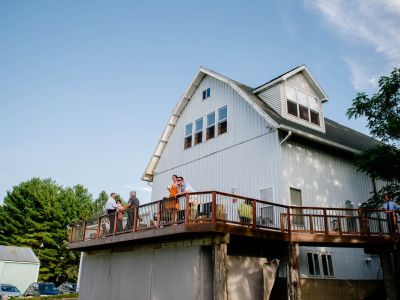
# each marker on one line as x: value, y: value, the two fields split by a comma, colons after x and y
x: 206, y: 93
x: 301, y: 105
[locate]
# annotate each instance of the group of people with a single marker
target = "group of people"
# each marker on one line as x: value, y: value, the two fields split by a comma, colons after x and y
x: 115, y: 208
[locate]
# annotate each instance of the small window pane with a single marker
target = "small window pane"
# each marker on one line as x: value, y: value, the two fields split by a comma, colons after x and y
x: 222, y: 113
x: 324, y: 264
x: 303, y: 112
x: 199, y: 124
x: 210, y: 132
x: 314, y: 117
x: 188, y: 142
x: 330, y: 265
x: 198, y: 138
x: 316, y: 264
x: 222, y: 127
x: 292, y: 108
x: 204, y: 94
x: 211, y: 119
x: 208, y: 92
x: 310, y: 264
x: 290, y: 93
x: 188, y: 129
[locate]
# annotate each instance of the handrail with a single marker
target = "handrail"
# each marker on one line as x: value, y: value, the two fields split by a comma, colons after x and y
x: 219, y: 207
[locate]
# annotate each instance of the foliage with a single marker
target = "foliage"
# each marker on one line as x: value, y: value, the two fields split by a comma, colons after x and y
x: 36, y: 214
x: 99, y: 204
x: 382, y: 111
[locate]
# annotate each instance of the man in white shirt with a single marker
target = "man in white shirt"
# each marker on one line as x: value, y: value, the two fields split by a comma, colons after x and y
x: 183, y: 186
x: 111, y: 208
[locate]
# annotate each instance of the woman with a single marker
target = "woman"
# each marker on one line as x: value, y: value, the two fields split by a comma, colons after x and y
x: 172, y: 204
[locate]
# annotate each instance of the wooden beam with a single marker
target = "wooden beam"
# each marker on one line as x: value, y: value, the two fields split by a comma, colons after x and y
x: 220, y: 282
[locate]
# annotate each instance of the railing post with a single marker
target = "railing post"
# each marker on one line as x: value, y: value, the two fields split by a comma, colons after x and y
x: 394, y: 220
x: 360, y: 221
x: 254, y: 213
x: 98, y: 227
x: 135, y: 218
x: 339, y: 225
x: 325, y: 221
x: 71, y: 233
x: 310, y: 220
x: 289, y: 225
x: 214, y: 207
x: 159, y: 214
x: 379, y: 222
x: 84, y: 231
x: 187, y: 210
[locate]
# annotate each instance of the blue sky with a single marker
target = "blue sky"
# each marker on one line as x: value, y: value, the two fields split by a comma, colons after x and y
x: 86, y: 87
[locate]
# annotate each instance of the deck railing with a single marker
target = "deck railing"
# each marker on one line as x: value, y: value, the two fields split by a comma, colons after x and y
x: 217, y: 207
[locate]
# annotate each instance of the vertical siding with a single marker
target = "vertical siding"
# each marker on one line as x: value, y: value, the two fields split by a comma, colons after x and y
x: 245, y: 159
x: 19, y: 274
x: 300, y: 83
x: 272, y: 97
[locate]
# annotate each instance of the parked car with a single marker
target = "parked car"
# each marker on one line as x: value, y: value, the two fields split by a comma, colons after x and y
x: 9, y: 290
x: 67, y: 287
x: 41, y: 288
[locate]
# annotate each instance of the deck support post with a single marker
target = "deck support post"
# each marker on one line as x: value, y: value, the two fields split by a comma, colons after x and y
x: 220, y: 283
x: 390, y: 263
x: 294, y: 285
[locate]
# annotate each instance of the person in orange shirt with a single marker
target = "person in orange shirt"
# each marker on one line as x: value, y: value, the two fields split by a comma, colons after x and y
x: 172, y: 204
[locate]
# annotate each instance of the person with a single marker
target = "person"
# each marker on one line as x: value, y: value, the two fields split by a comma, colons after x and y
x: 390, y: 206
x: 245, y: 212
x: 120, y: 215
x: 111, y: 208
x: 132, y: 203
x: 183, y: 186
x: 171, y: 204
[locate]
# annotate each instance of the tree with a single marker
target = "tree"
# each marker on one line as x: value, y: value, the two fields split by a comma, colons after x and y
x: 100, y: 203
x: 36, y: 214
x: 382, y: 111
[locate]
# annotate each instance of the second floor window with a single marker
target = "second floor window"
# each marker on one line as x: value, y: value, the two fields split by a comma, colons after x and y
x: 210, y: 132
x: 206, y: 93
x: 222, y: 120
x: 188, y: 135
x: 198, y: 135
x: 302, y: 106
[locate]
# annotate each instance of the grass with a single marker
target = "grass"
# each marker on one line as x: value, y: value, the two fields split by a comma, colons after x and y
x: 64, y: 296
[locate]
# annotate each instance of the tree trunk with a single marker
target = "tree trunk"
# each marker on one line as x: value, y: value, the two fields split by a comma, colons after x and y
x: 294, y: 272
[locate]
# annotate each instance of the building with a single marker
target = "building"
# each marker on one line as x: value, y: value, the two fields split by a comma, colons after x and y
x: 19, y: 266
x: 269, y: 146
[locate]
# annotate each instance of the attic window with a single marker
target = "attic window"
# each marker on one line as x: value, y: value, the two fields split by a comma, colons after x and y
x: 303, y: 106
x: 210, y: 132
x: 188, y: 136
x: 303, y: 112
x: 292, y: 108
x: 222, y: 120
x: 206, y: 93
x: 314, y: 117
x: 198, y: 135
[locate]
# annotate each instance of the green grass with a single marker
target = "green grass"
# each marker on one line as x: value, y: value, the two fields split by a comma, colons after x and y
x: 64, y: 296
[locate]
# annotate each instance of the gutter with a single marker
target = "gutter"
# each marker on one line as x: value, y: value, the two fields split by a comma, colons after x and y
x: 286, y: 137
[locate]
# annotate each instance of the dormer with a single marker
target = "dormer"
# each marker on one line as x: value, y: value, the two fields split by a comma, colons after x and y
x: 297, y: 97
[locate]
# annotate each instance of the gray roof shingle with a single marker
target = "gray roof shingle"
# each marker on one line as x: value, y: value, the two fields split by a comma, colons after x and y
x: 19, y: 254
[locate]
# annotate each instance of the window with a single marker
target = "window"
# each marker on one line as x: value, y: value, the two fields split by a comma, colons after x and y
x: 292, y: 108
x: 314, y: 117
x: 302, y: 105
x: 206, y: 93
x: 297, y: 213
x: 222, y: 120
x: 198, y: 136
x: 210, y: 132
x: 188, y: 135
x: 314, y: 261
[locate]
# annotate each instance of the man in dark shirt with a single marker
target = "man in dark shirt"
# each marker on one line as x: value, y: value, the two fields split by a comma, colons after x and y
x: 132, y: 203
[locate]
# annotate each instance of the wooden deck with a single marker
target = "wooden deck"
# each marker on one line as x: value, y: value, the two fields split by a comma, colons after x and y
x: 217, y: 214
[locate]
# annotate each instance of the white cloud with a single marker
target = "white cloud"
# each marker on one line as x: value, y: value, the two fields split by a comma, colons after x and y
x: 369, y: 23
x: 147, y: 189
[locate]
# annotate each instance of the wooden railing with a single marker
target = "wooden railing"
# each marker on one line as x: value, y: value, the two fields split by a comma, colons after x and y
x: 217, y: 207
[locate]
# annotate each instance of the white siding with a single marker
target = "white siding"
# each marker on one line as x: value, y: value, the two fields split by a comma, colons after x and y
x: 348, y: 263
x: 300, y: 83
x: 324, y: 179
x: 245, y: 159
x: 272, y: 97
x: 19, y: 274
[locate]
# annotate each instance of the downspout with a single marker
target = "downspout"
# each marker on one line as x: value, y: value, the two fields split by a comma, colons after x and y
x: 286, y: 137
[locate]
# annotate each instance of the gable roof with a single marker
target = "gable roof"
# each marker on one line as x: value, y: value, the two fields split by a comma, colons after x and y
x: 336, y: 135
x: 19, y: 254
x: 283, y: 77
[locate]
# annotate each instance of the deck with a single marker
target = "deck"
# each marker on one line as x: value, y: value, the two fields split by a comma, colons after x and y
x: 216, y: 213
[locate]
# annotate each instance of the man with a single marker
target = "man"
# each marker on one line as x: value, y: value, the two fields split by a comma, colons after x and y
x: 389, y: 204
x: 183, y: 186
x: 132, y: 203
x: 111, y: 208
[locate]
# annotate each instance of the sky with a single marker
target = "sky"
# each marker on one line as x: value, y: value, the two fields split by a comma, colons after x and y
x: 86, y: 87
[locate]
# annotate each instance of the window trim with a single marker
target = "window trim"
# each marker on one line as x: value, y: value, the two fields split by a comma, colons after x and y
x: 206, y: 93
x: 321, y: 264
x: 198, y: 132
x: 188, y: 137
x: 209, y: 126
x: 224, y: 120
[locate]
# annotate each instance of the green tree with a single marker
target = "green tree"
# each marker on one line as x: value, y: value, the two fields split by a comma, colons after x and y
x: 382, y: 111
x: 99, y: 204
x: 36, y: 214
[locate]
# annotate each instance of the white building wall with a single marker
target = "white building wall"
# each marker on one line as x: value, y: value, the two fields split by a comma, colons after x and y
x: 273, y: 98
x: 243, y: 160
x: 19, y: 274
